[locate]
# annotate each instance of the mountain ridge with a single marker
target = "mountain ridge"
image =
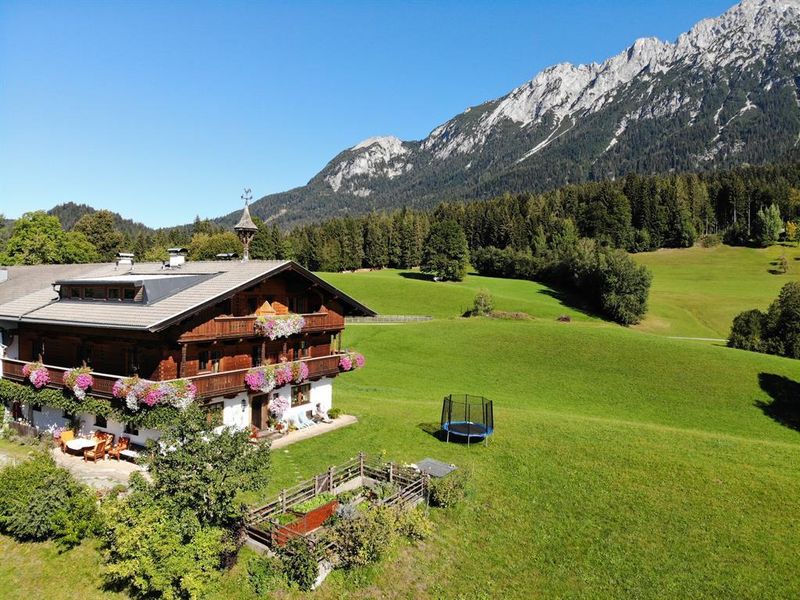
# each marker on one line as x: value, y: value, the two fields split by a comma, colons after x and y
x: 723, y: 93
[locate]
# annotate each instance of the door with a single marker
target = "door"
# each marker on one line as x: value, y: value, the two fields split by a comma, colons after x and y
x: 258, y: 412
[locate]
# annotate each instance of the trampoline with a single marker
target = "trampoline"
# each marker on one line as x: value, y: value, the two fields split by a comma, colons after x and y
x: 469, y: 418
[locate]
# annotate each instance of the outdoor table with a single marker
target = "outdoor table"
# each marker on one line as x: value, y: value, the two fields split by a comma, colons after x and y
x: 80, y: 444
x: 129, y: 454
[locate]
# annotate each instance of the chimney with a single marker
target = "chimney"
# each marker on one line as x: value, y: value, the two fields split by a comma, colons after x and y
x: 177, y: 257
x: 125, y: 259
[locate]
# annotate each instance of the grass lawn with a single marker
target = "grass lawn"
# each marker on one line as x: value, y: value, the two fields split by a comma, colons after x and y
x: 624, y: 465
x: 696, y: 292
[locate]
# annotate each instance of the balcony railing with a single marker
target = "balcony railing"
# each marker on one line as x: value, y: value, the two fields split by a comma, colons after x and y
x: 103, y: 382
x: 208, y: 385
x: 236, y: 327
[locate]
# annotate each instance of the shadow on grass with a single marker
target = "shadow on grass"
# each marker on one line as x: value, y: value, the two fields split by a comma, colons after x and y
x: 571, y: 300
x: 785, y: 405
x: 434, y: 430
x: 416, y: 275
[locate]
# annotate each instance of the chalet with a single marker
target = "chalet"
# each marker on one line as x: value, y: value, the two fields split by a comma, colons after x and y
x: 214, y: 326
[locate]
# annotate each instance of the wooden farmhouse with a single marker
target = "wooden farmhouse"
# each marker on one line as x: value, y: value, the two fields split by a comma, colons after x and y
x: 214, y: 327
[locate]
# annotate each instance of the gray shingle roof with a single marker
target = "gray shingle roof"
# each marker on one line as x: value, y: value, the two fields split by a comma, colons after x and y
x: 41, y: 306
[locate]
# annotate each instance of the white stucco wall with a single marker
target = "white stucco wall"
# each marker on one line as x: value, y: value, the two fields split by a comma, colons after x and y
x: 236, y: 411
x: 53, y: 417
x: 321, y: 392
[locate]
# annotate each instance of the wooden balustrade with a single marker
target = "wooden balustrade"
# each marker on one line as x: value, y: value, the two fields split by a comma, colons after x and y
x: 103, y: 382
x: 208, y: 386
x: 236, y: 327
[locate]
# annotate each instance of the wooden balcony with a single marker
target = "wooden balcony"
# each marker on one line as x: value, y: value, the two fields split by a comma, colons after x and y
x: 239, y: 327
x: 103, y: 382
x: 208, y: 385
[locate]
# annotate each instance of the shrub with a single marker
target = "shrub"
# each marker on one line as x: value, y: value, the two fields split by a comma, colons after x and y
x: 414, y: 524
x: 153, y: 552
x: 39, y: 501
x: 365, y: 538
x: 747, y: 331
x: 266, y: 574
x: 299, y: 564
x: 483, y: 304
x: 450, y: 490
x: 334, y: 413
x: 710, y: 240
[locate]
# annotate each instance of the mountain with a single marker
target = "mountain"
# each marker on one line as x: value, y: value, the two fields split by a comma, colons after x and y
x: 724, y: 93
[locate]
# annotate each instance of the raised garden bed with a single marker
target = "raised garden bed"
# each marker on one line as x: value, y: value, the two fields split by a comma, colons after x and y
x: 302, y: 509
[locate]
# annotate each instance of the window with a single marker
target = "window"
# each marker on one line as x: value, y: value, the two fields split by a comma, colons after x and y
x: 128, y: 293
x: 75, y: 293
x: 297, y: 304
x: 215, y: 360
x: 100, y: 421
x: 113, y: 293
x: 88, y: 293
x: 255, y: 355
x: 301, y: 394
x: 252, y: 305
x: 130, y: 430
x: 202, y: 361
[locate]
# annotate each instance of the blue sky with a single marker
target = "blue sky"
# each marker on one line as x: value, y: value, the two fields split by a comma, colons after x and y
x: 166, y: 110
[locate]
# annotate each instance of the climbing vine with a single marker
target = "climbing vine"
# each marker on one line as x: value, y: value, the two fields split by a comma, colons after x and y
x: 156, y: 417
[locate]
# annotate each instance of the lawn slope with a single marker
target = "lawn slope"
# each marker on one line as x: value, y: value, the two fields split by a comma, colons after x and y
x: 697, y: 291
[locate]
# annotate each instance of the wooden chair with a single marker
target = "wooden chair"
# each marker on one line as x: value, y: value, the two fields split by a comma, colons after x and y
x: 99, y: 451
x: 121, y: 445
x: 66, y: 436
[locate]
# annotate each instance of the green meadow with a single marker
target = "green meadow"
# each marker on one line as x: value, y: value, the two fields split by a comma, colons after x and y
x: 696, y: 292
x: 624, y: 464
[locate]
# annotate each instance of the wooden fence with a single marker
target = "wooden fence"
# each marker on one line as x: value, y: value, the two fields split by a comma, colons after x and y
x: 410, y: 483
x: 388, y: 319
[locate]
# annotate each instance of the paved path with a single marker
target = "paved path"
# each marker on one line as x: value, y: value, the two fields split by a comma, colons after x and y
x: 313, y: 431
x: 697, y: 339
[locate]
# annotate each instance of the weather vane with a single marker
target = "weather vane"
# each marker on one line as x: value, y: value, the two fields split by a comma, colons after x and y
x: 247, y: 196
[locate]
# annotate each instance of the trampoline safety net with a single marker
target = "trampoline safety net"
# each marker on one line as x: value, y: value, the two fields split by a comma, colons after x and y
x: 467, y: 416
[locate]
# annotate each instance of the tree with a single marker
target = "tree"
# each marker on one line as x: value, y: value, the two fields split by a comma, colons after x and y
x: 206, y: 246
x: 768, y: 225
x: 624, y: 287
x: 100, y: 229
x: 376, y: 242
x: 37, y: 238
x: 792, y: 231
x: 194, y: 468
x: 446, y: 254
x: 747, y: 331
x: 78, y: 249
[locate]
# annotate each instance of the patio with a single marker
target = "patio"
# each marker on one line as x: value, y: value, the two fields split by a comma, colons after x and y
x: 102, y: 474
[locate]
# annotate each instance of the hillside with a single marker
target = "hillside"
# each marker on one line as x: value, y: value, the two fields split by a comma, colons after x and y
x: 723, y: 94
x: 623, y: 464
x: 70, y: 213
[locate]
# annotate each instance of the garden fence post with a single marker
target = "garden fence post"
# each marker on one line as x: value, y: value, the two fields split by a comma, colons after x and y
x: 391, y: 472
x: 283, y: 500
x: 316, y: 484
x: 361, y: 464
x: 330, y: 479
